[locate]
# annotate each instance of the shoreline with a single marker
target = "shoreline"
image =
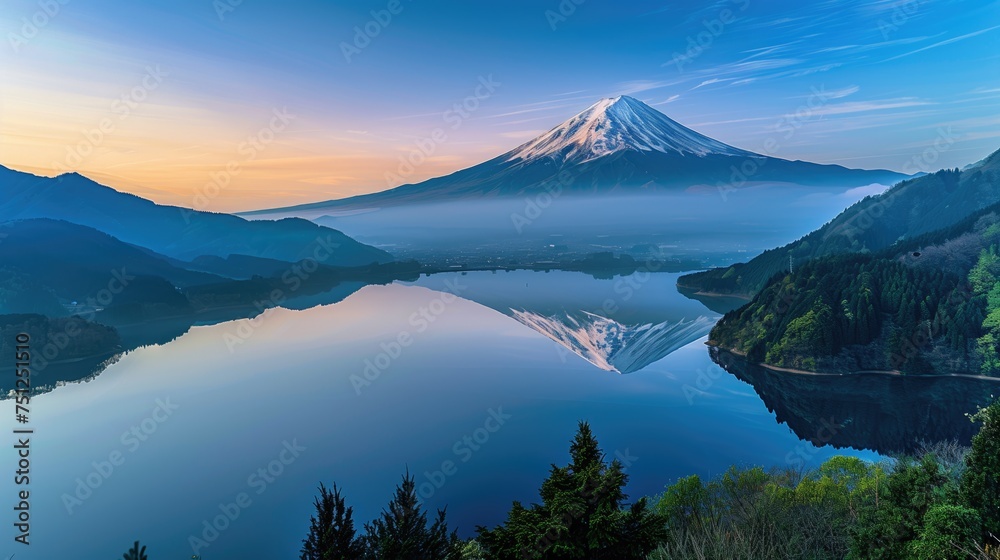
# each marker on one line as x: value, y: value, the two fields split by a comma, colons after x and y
x: 888, y: 373
x: 715, y: 294
x: 694, y: 290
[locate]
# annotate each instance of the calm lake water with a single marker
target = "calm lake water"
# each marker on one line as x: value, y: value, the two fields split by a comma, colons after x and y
x: 476, y: 394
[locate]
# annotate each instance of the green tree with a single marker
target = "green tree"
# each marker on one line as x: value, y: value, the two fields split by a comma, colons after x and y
x: 950, y: 533
x: 582, y: 514
x: 886, y: 528
x: 331, y: 530
x: 980, y: 484
x: 402, y: 532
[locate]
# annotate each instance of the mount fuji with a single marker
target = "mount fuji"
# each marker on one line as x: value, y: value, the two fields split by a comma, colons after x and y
x: 618, y: 145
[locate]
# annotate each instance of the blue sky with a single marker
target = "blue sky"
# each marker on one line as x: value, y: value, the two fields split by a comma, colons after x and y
x: 895, y: 77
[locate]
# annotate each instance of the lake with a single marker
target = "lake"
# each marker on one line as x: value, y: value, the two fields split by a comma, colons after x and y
x: 474, y: 383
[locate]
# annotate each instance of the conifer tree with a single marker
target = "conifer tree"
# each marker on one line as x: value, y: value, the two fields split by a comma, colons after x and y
x: 331, y: 530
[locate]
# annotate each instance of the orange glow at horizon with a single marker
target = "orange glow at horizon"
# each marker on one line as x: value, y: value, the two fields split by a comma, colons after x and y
x: 142, y: 128
x: 171, y: 154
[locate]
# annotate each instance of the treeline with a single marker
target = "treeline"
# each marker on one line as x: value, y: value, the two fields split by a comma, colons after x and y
x: 942, y: 505
x: 857, y: 312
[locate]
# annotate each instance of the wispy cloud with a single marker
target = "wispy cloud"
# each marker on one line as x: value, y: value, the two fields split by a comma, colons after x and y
x: 670, y: 99
x: 710, y: 82
x: 945, y: 42
x: 861, y: 48
x: 832, y: 93
x: 865, y: 106
x: 638, y: 86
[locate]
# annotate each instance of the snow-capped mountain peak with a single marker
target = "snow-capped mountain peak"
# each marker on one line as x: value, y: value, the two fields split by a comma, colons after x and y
x: 615, y: 124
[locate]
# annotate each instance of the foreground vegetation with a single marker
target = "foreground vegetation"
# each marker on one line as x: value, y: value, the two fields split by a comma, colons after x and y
x: 941, y: 505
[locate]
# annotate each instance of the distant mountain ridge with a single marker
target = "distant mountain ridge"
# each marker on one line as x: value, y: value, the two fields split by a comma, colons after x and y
x: 176, y: 232
x: 910, y: 209
x: 617, y: 145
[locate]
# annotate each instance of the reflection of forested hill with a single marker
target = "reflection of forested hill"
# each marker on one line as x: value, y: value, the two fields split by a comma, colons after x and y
x: 884, y: 413
x: 82, y: 346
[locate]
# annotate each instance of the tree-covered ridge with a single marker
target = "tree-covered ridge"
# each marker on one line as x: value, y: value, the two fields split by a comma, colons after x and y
x: 857, y: 312
x: 910, y: 209
x: 930, y: 304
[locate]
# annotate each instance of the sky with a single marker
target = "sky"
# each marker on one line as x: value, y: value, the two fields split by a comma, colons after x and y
x: 233, y: 105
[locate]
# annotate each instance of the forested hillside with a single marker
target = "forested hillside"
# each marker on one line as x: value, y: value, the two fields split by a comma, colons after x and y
x: 930, y: 304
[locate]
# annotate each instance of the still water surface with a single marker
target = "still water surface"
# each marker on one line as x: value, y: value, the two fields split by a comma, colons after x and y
x: 492, y: 380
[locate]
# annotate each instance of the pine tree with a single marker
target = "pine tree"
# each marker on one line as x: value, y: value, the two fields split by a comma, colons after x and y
x: 401, y: 532
x: 581, y: 514
x: 331, y: 530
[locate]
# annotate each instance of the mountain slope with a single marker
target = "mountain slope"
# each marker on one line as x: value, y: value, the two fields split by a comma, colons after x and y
x: 172, y: 231
x: 926, y: 304
x: 44, y: 261
x: 60, y: 251
x: 614, y: 125
x: 615, y: 145
x: 909, y: 209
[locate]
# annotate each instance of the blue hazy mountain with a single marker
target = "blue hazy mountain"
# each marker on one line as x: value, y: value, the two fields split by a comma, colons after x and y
x: 48, y: 264
x: 616, y: 146
x: 175, y: 232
